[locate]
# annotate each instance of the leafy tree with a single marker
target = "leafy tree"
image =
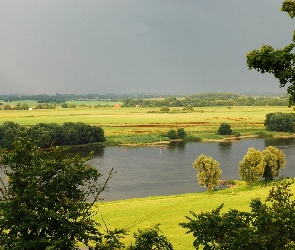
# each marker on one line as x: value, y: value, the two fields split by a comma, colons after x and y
x: 279, y: 62
x: 224, y: 129
x: 172, y: 134
x: 275, y: 160
x: 252, y: 166
x: 280, y: 122
x: 165, y: 109
x: 265, y: 227
x: 149, y: 239
x: 181, y: 133
x: 45, y: 203
x: 209, y: 171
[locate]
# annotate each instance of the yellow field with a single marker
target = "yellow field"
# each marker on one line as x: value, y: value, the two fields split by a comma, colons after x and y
x: 116, y: 122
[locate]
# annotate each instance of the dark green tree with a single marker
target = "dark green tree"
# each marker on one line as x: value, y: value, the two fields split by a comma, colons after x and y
x: 280, y: 122
x: 209, y: 171
x: 279, y: 62
x: 172, y: 134
x: 268, y: 226
x: 224, y: 129
x: 181, y: 133
x: 47, y: 200
x: 149, y: 239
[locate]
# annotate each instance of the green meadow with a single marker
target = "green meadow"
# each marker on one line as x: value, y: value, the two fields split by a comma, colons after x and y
x: 169, y: 211
x: 143, y: 125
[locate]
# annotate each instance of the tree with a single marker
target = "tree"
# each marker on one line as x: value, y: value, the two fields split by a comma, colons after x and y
x: 149, y: 239
x: 252, y: 166
x: 209, y: 171
x: 165, y: 109
x: 172, y: 134
x: 224, y: 129
x: 275, y: 160
x: 48, y: 199
x: 266, y: 227
x: 181, y: 133
x: 280, y: 122
x: 278, y: 62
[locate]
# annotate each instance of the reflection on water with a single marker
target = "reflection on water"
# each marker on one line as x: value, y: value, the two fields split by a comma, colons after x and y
x: 165, y: 170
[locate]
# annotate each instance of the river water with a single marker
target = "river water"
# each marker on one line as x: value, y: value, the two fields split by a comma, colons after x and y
x: 166, y: 170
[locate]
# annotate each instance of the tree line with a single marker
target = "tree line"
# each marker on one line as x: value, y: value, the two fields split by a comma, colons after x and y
x: 48, y: 134
x: 207, y: 100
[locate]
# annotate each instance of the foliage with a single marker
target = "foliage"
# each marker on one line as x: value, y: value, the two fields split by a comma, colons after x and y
x: 280, y: 122
x: 45, y: 202
x: 207, y: 100
x: 224, y: 129
x: 275, y: 160
x: 149, y: 239
x: 165, y: 109
x: 209, y: 171
x: 278, y: 62
x: 252, y: 166
x: 265, y: 227
x: 172, y: 134
x: 51, y: 133
x: 181, y: 133
x: 256, y: 164
x: 176, y: 134
x: 8, y: 133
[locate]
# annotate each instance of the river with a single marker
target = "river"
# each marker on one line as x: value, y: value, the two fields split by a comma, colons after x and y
x: 167, y: 170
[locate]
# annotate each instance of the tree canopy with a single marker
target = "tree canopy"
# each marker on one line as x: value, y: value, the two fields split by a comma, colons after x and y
x: 268, y: 226
x: 46, y: 200
x: 279, y: 62
x: 209, y: 171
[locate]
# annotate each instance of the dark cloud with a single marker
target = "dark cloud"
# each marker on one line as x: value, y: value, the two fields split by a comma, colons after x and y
x: 131, y: 46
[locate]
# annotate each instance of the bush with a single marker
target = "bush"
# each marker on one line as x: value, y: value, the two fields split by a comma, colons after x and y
x: 172, y: 134
x: 280, y: 122
x: 266, y: 226
x: 224, y: 129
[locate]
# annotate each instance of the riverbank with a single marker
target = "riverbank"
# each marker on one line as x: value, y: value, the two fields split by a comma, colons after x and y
x: 169, y: 211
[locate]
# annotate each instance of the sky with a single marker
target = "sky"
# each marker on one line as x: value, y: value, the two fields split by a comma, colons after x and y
x: 137, y: 46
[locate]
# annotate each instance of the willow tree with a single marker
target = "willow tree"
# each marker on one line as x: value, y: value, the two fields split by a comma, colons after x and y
x: 279, y: 62
x: 275, y: 161
x: 209, y: 171
x: 252, y: 166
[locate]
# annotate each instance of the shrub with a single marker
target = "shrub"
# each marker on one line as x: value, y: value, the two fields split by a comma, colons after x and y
x: 224, y: 129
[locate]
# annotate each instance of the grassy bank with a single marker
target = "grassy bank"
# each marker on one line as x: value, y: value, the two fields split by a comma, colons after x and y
x: 144, y: 125
x: 169, y: 211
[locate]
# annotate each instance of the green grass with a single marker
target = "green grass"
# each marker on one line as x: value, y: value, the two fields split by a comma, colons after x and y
x: 169, y: 211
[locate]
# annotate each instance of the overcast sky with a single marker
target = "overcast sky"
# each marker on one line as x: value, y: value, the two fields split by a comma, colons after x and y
x: 137, y: 46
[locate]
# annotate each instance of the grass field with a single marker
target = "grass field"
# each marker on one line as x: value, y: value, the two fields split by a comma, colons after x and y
x: 141, y: 125
x: 169, y: 211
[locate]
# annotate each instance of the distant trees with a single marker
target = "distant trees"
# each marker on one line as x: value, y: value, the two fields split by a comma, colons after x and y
x: 224, y: 129
x: 176, y: 134
x: 48, y: 134
x: 280, y: 122
x: 256, y: 164
x: 209, y: 171
x: 207, y: 100
x: 268, y: 226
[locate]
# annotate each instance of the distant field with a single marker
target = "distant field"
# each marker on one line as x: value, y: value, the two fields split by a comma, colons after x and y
x: 32, y: 103
x: 169, y: 211
x: 143, y: 122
